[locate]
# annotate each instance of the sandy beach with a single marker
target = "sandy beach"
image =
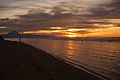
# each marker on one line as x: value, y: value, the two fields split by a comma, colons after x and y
x: 20, y: 61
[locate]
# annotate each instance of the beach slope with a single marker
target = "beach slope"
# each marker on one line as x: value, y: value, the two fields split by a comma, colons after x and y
x: 20, y: 61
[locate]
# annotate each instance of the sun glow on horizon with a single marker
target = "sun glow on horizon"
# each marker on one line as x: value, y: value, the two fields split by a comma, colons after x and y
x: 76, y: 32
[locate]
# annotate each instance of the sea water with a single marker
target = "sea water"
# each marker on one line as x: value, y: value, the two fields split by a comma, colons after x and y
x: 100, y: 57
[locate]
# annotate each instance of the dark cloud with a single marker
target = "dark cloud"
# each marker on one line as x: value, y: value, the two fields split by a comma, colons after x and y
x: 37, y: 21
x: 115, y: 3
x: 115, y: 12
x: 43, y: 21
x: 99, y: 11
x: 83, y: 32
x: 88, y: 22
x: 110, y: 10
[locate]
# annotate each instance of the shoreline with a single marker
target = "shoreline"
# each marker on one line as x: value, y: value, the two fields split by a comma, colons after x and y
x: 26, y: 58
x: 86, y: 70
x: 116, y: 41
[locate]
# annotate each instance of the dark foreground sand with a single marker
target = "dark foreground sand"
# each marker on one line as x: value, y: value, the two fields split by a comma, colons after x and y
x: 20, y: 61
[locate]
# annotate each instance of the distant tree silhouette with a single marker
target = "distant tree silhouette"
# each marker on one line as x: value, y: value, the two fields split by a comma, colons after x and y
x: 1, y: 38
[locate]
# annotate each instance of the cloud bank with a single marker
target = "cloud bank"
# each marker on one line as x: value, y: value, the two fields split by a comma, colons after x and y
x: 28, y: 15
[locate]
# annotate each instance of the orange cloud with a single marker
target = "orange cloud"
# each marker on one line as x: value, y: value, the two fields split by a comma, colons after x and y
x: 3, y: 27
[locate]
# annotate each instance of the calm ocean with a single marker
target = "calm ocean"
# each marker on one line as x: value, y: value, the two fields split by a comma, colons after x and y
x: 101, y: 57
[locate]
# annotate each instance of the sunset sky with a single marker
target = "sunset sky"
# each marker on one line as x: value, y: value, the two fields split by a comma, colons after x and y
x: 61, y: 18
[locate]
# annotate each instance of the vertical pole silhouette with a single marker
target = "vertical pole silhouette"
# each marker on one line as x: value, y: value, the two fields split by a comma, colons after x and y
x: 20, y: 39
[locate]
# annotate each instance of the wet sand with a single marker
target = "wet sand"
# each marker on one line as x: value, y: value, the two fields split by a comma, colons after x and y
x: 20, y: 61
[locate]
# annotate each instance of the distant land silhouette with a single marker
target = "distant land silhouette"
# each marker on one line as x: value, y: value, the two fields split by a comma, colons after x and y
x: 15, y: 34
